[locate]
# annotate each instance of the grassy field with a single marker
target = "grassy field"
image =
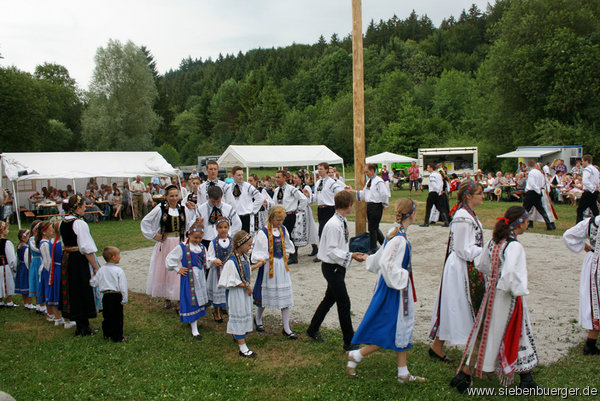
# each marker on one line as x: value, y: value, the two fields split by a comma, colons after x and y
x: 162, y: 361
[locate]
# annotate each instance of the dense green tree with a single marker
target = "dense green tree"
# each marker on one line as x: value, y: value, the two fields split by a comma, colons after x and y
x: 120, y: 113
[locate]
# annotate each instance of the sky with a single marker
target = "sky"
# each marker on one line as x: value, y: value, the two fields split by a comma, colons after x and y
x: 68, y: 32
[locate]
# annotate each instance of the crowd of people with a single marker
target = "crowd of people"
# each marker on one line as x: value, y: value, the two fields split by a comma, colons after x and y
x: 210, y: 236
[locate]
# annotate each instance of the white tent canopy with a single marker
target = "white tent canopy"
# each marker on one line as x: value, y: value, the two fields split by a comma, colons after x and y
x: 388, y: 158
x: 277, y: 156
x: 71, y: 165
x: 529, y: 153
x: 21, y: 167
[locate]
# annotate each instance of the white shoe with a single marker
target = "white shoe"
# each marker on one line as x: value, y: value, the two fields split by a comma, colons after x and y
x: 58, y: 322
x: 70, y: 324
x: 50, y: 318
x: 29, y: 306
x: 2, y: 304
x: 12, y: 305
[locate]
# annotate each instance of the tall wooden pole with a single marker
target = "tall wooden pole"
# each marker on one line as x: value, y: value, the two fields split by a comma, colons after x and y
x: 358, y: 95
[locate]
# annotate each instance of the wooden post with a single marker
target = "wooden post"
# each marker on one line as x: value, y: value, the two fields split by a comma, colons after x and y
x: 358, y: 96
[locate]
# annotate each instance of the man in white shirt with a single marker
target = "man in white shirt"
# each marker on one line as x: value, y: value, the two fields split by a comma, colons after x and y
x: 292, y: 199
x: 536, y: 182
x: 336, y: 257
x: 244, y: 198
x: 375, y: 194
x: 590, y: 182
x: 210, y: 211
x: 138, y: 188
x: 212, y: 172
x: 436, y: 186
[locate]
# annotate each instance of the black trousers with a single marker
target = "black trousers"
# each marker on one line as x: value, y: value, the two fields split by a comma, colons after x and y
x: 323, y: 215
x: 112, y: 310
x: 245, y: 223
x: 588, y: 199
x: 374, y: 214
x: 435, y: 199
x: 289, y: 223
x: 533, y: 199
x: 336, y: 293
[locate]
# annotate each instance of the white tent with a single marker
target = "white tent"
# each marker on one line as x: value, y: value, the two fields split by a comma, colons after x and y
x: 277, y: 156
x: 19, y: 167
x: 388, y: 158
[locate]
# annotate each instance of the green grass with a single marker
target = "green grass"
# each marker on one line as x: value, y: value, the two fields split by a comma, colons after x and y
x: 162, y: 361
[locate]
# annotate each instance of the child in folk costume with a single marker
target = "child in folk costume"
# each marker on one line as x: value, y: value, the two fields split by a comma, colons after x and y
x: 22, y: 279
x: 34, y: 265
x: 589, y: 287
x: 390, y: 318
x: 236, y: 279
x: 46, y: 232
x: 189, y: 260
x: 165, y: 224
x: 219, y: 251
x: 112, y: 282
x: 501, y: 340
x: 53, y: 289
x: 462, y: 286
x: 273, y: 286
x: 42, y: 241
x: 8, y: 266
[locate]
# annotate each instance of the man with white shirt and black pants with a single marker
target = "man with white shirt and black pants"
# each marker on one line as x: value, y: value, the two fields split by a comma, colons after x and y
x: 325, y: 190
x: 292, y: 199
x: 244, y: 198
x: 536, y: 182
x: 590, y: 181
x: 436, y: 186
x: 376, y: 195
x: 212, y: 172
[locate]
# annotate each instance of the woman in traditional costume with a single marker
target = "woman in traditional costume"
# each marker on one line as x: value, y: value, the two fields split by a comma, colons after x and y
x: 390, y: 317
x: 501, y: 339
x: 589, y: 284
x: 165, y: 224
x: 306, y: 230
x: 77, y: 301
x: 273, y: 286
x: 462, y: 286
x: 235, y: 278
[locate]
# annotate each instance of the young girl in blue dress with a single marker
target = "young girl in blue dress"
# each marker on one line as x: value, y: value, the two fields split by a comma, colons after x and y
x: 8, y: 266
x: 189, y: 260
x: 219, y: 251
x: 389, y: 320
x: 53, y: 289
x: 42, y: 241
x: 35, y: 261
x: 22, y: 279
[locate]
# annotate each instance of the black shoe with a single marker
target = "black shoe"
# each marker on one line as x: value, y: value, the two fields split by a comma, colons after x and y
x: 316, y: 336
x: 446, y: 224
x: 86, y: 331
x: 590, y: 348
x: 223, y: 310
x: 550, y: 227
x: 527, y: 381
x: 259, y: 327
x: 351, y: 347
x: 197, y: 337
x: 292, y: 261
x: 291, y: 335
x: 316, y: 260
x: 461, y: 381
x: 315, y: 250
x: 434, y: 355
x: 249, y: 354
x: 424, y: 225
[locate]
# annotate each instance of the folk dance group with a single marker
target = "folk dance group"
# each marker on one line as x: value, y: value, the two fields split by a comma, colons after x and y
x: 56, y: 271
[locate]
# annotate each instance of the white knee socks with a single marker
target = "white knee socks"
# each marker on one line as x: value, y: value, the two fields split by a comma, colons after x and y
x: 285, y: 317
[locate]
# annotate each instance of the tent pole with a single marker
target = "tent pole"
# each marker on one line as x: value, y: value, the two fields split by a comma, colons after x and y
x: 180, y: 186
x: 74, y: 186
x: 16, y: 204
x: 247, y: 173
x: 344, y: 171
x: 131, y: 198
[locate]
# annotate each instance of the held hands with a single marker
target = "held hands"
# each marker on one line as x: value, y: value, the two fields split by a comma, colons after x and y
x: 159, y: 238
x: 217, y: 262
x: 588, y: 248
x: 359, y: 256
x: 260, y: 263
x: 190, y: 205
x: 305, y: 192
x: 183, y: 271
x: 349, y: 188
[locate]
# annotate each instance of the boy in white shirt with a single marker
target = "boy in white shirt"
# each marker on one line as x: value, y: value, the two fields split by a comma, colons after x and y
x: 111, y: 281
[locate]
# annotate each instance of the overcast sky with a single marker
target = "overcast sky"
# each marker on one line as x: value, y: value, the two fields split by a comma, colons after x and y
x: 68, y: 32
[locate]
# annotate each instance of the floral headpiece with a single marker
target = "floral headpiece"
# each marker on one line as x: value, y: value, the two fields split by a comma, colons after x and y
x: 242, y: 240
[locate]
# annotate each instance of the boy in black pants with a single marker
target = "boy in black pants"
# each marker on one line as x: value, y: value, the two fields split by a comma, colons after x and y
x: 336, y: 258
x: 111, y: 281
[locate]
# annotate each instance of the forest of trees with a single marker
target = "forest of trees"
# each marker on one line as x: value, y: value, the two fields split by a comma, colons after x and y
x: 522, y: 72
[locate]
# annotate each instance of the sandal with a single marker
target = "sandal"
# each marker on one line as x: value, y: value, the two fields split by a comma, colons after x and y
x: 410, y: 378
x: 444, y: 358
